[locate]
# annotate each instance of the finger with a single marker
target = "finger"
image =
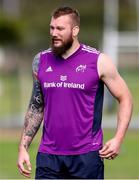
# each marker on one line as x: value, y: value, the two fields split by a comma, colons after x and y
x: 109, y: 158
x: 23, y: 171
x: 114, y: 156
x: 28, y: 165
x: 106, y: 152
x: 107, y: 155
x: 105, y: 147
x: 26, y: 174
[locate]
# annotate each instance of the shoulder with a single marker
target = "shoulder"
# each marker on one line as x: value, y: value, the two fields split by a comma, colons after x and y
x: 89, y: 49
x: 35, y: 63
x: 36, y: 60
x: 106, y: 67
x: 47, y: 51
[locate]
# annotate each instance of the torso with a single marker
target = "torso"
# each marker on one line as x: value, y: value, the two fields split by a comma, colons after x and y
x: 73, y: 98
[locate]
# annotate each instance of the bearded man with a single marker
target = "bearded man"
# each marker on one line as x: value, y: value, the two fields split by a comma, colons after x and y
x: 67, y: 96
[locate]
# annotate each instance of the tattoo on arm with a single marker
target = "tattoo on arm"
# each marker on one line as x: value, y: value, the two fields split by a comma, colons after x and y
x: 34, y: 115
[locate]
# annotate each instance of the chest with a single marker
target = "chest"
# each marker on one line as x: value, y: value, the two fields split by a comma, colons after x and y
x: 77, y: 73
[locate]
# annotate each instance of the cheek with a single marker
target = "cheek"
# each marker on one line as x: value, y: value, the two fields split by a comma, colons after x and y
x: 67, y: 35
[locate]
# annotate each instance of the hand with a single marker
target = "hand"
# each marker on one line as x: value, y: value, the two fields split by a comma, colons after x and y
x: 111, y: 149
x: 23, y: 159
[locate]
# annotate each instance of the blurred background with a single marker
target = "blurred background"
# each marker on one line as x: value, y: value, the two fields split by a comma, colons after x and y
x: 111, y: 26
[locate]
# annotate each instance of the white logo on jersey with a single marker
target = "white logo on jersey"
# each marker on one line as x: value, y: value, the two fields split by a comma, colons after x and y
x: 81, y: 68
x: 90, y: 49
x: 95, y: 144
x: 63, y: 78
x: 49, y: 69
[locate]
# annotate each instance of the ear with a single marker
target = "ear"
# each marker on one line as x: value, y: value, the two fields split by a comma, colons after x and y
x: 75, y: 31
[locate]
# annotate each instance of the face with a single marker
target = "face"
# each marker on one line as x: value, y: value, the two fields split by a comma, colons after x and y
x: 61, y: 31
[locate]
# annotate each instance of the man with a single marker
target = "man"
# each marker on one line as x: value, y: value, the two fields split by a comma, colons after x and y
x: 68, y: 95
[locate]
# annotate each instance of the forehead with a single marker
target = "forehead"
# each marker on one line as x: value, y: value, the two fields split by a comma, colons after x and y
x: 62, y: 20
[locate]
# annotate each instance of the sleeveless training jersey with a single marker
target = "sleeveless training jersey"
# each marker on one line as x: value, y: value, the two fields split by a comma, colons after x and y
x: 73, y: 98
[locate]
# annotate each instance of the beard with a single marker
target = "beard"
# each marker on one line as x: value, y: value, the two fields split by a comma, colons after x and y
x: 60, y: 50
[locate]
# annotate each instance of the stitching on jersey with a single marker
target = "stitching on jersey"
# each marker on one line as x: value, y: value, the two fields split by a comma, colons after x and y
x: 47, y: 51
x: 89, y: 49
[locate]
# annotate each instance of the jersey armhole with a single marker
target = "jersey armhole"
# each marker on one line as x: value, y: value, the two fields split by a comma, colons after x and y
x: 39, y: 65
x: 98, y: 61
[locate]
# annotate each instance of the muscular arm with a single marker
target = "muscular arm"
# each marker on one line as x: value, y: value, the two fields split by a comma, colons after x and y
x: 33, y: 119
x: 118, y: 88
x: 34, y: 115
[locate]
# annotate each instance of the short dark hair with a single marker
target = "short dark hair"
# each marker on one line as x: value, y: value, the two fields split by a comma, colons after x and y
x: 67, y: 11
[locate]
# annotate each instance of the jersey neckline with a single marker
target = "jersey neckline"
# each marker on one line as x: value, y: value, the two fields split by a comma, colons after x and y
x: 72, y: 55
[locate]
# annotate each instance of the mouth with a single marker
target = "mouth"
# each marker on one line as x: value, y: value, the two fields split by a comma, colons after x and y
x: 56, y: 40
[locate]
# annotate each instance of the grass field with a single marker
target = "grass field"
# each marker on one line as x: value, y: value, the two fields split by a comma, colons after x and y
x: 126, y: 166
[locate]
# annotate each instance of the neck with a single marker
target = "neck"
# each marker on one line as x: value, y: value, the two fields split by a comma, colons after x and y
x: 73, y: 49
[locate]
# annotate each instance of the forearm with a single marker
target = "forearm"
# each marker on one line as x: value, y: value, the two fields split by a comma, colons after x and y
x: 124, y: 117
x: 33, y: 119
x: 31, y: 125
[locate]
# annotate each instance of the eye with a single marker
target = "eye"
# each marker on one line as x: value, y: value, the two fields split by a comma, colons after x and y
x: 51, y: 27
x: 60, y: 28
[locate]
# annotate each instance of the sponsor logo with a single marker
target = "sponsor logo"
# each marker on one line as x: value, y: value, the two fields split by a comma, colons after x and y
x: 81, y: 68
x: 63, y: 78
x: 64, y: 84
x: 49, y: 69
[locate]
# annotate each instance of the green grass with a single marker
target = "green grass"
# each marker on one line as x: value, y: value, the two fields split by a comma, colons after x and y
x: 8, y: 159
x: 126, y: 166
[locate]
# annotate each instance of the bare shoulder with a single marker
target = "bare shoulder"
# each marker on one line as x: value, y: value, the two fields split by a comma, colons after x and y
x: 112, y: 79
x: 35, y: 63
x: 106, y: 67
x: 36, y: 60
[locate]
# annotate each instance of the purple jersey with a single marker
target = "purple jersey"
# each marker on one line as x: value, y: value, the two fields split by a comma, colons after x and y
x: 73, y: 98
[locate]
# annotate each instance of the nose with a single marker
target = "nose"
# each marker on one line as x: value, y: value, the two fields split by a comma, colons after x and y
x: 53, y: 32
